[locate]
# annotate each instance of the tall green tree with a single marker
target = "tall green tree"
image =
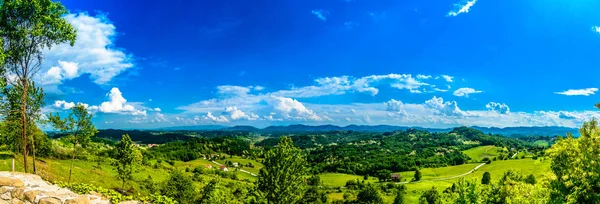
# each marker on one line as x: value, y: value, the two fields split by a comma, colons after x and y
x: 431, y: 196
x: 77, y: 127
x: 417, y: 176
x: 369, y: 195
x: 282, y: 178
x: 179, y: 187
x: 486, y: 178
x: 127, y: 159
x: 11, y: 109
x: 399, y: 199
x: 211, y: 193
x: 576, y: 166
x: 27, y: 28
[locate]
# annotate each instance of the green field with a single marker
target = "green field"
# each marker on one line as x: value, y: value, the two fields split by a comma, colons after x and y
x: 496, y: 168
x: 242, y: 162
x: 432, y: 173
x: 334, y: 180
x: 478, y: 153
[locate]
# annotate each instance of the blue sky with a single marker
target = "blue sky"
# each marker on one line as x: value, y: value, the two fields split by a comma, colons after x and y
x: 145, y: 64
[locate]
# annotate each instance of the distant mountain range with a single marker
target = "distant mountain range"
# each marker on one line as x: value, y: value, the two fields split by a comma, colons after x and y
x: 508, y: 131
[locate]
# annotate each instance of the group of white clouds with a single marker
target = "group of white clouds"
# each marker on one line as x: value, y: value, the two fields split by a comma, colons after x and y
x: 95, y: 54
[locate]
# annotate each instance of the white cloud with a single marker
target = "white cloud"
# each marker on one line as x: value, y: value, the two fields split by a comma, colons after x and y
x: 448, y: 78
x: 213, y: 118
x: 94, y: 53
x: 579, y: 92
x: 501, y: 108
x: 420, y: 76
x: 118, y: 104
x: 292, y: 109
x: 448, y: 108
x: 156, y: 109
x: 320, y: 13
x: 63, y: 104
x: 462, y: 7
x: 233, y: 90
x: 596, y: 29
x: 465, y: 92
x: 236, y: 114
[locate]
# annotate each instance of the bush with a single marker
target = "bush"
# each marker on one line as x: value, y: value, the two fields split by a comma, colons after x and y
x: 187, y: 169
x: 114, y: 196
x: 180, y: 187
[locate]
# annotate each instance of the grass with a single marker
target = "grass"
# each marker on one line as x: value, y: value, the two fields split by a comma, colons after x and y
x: 334, y: 180
x: 242, y: 162
x: 431, y: 173
x: 478, y: 153
x: 496, y: 168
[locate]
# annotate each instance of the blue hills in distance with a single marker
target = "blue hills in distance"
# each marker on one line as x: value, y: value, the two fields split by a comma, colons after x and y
x: 299, y: 128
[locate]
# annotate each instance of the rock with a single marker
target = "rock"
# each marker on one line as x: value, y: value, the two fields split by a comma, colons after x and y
x: 4, y: 189
x: 50, y: 200
x: 16, y: 201
x: 6, y: 196
x: 129, y: 202
x: 6, y: 181
x: 18, y: 192
x: 78, y: 200
x: 30, y: 195
x: 4, y: 202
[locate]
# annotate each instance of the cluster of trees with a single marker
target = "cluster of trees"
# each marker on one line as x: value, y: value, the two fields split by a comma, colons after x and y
x: 201, y: 147
x: 26, y: 29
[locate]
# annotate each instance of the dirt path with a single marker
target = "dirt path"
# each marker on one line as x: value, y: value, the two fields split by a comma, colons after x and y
x: 446, y: 178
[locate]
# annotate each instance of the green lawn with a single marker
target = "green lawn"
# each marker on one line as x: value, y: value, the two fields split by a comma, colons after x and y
x: 496, y: 168
x: 478, y: 153
x: 242, y: 161
x: 430, y: 173
x: 339, y: 180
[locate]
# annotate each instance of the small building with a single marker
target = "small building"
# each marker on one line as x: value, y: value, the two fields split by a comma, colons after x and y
x: 235, y: 164
x: 208, y: 166
x: 152, y: 145
x: 223, y: 168
x: 396, y: 177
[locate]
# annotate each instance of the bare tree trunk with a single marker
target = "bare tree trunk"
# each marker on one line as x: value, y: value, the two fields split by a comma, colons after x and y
x: 72, y: 159
x: 24, y: 121
x: 33, y: 152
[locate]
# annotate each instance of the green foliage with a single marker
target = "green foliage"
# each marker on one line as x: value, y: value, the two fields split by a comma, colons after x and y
x: 179, y: 187
x: 314, y: 180
x: 417, y: 176
x: 281, y: 180
x: 114, y: 196
x: 486, y: 179
x: 77, y: 126
x: 576, y: 167
x: 530, y: 179
x: 27, y: 28
x: 399, y: 199
x: 431, y: 196
x: 211, y: 194
x: 127, y: 158
x: 314, y: 196
x: 369, y: 195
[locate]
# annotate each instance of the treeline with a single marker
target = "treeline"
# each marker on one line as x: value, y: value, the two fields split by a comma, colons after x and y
x: 367, y: 153
x: 200, y: 148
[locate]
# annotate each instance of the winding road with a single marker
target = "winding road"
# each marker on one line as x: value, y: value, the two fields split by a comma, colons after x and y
x: 453, y: 177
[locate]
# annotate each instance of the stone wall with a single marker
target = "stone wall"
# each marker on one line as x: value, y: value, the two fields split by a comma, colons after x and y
x: 21, y: 188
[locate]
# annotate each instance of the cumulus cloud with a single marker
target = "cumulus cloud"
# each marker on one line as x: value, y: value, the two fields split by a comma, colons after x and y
x: 578, y: 92
x: 501, y: 108
x: 420, y: 76
x: 462, y: 7
x: 63, y: 104
x: 118, y: 104
x: 320, y: 13
x: 236, y: 114
x: 596, y: 29
x: 448, y: 108
x: 94, y: 53
x: 220, y: 119
x: 465, y: 92
x: 292, y: 109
